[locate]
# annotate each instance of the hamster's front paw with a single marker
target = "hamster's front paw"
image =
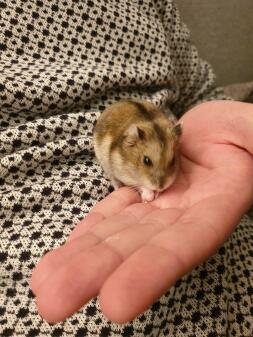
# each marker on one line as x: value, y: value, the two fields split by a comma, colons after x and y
x: 147, y: 195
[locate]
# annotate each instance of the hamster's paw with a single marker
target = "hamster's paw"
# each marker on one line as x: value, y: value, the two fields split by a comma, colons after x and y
x: 147, y: 195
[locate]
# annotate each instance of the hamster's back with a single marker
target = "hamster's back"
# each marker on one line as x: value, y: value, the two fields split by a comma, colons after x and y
x: 120, y: 115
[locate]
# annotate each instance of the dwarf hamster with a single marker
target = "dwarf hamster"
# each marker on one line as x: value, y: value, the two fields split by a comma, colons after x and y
x: 137, y: 145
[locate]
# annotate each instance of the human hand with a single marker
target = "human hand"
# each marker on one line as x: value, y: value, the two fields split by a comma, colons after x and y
x: 130, y: 253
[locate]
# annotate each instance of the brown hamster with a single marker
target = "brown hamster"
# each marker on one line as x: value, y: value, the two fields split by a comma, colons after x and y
x: 137, y: 145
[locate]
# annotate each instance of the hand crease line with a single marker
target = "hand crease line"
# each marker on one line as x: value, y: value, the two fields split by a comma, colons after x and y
x: 115, y: 251
x: 170, y: 252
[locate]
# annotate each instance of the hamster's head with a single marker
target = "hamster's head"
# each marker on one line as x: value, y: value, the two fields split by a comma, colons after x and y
x: 148, y: 156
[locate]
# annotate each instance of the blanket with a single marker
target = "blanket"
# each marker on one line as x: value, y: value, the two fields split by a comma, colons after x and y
x: 61, y: 64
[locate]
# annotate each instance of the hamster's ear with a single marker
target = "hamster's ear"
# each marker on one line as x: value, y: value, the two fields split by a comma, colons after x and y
x: 177, y: 130
x: 133, y: 134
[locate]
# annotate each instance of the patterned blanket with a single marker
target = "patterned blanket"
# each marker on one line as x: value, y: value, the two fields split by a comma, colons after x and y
x: 61, y: 64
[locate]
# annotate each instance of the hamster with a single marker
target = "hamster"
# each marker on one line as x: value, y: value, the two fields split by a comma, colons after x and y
x: 137, y: 146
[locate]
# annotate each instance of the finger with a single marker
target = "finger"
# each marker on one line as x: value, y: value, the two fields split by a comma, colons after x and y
x: 86, y: 224
x: 94, y: 232
x: 99, y: 231
x: 55, y: 259
x: 76, y: 282
x: 117, y: 201
x: 123, y: 243
x: 109, y: 206
x: 151, y: 270
x: 112, y: 204
x: 143, y: 279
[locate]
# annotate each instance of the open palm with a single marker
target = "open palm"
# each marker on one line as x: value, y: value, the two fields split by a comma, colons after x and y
x: 129, y: 253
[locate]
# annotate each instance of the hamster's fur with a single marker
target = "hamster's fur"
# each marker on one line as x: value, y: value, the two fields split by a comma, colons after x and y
x: 137, y: 145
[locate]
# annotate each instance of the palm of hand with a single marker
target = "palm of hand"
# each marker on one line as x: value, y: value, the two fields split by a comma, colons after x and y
x: 131, y: 253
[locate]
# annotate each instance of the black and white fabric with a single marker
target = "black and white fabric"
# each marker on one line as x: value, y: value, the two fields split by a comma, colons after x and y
x: 61, y: 64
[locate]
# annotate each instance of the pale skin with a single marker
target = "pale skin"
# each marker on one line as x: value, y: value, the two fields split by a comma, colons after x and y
x: 130, y: 253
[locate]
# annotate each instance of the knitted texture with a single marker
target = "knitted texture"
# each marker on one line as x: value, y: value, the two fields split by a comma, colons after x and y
x: 61, y: 64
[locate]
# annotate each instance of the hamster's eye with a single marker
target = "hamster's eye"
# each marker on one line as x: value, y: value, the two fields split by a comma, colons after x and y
x: 147, y: 161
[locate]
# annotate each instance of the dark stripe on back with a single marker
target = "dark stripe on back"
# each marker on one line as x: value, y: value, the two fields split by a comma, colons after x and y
x: 142, y: 110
